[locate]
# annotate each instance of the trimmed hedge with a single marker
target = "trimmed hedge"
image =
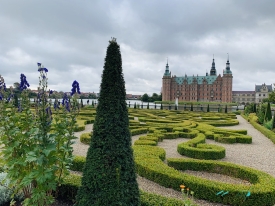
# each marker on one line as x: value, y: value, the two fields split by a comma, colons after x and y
x: 138, y: 131
x: 85, y: 138
x: 145, y: 142
x: 149, y: 164
x: 196, y: 148
x: 69, y: 188
x: 266, y: 132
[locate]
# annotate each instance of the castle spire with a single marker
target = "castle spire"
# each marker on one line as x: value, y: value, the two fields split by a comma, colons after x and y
x: 213, y: 71
x: 167, y: 73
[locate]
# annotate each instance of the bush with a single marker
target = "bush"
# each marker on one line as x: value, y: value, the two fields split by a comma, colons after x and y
x: 85, y: 138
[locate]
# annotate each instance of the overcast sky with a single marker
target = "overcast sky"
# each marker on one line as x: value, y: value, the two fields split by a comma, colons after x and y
x: 70, y: 39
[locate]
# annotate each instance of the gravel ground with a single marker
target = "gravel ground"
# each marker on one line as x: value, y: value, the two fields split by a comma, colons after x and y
x: 259, y: 155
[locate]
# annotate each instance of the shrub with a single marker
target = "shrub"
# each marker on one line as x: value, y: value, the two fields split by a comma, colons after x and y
x: 109, y: 176
x: 85, y: 138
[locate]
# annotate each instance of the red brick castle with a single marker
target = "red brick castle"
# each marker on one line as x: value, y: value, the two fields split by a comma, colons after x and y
x: 209, y: 88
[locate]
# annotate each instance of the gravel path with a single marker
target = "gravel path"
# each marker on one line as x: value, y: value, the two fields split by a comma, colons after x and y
x: 259, y: 155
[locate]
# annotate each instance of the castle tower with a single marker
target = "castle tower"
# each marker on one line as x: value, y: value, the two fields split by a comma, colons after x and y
x: 213, y: 71
x: 166, y: 84
x: 227, y: 83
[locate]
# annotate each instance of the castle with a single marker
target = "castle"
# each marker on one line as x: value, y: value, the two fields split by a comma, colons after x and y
x: 208, y: 88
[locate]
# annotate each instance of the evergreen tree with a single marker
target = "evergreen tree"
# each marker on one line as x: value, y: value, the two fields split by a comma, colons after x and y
x: 176, y: 107
x: 155, y: 105
x: 254, y: 108
x: 109, y: 176
x: 191, y: 109
x: 161, y: 107
x: 148, y: 105
x: 135, y: 105
x: 268, y: 114
x: 81, y: 103
x: 208, y: 109
x: 15, y: 100
x: 93, y: 104
x: 225, y: 111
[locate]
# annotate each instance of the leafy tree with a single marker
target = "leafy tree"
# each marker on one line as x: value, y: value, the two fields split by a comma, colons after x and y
x: 268, y: 114
x: 145, y: 98
x: 271, y: 97
x: 109, y: 176
x: 249, y: 109
x: 208, y: 109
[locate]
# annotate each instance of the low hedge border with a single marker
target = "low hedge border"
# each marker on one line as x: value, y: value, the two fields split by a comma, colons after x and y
x: 149, y: 163
x: 196, y: 148
x: 266, y: 132
x: 69, y: 188
x: 85, y: 138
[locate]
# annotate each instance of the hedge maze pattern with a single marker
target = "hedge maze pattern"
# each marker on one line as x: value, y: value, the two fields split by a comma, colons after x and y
x: 156, y: 125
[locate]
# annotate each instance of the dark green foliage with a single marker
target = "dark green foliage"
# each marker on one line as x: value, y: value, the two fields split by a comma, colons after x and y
x: 225, y: 111
x: 81, y: 103
x: 176, y: 107
x: 15, y: 100
x: 208, y: 109
x: 155, y: 105
x: 261, y: 113
x: 161, y: 107
x: 109, y: 176
x: 250, y: 108
x: 268, y: 114
x: 148, y: 105
x: 93, y: 104
x: 135, y: 105
x: 191, y: 109
x: 254, y: 108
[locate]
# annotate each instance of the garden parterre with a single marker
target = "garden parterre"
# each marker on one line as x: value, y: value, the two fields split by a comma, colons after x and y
x: 163, y: 128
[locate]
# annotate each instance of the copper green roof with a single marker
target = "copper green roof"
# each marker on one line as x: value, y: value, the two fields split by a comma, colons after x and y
x: 209, y: 79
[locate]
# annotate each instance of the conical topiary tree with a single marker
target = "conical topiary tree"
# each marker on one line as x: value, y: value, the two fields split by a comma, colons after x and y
x: 208, y: 109
x: 135, y: 105
x: 148, y: 105
x: 225, y: 110
x: 268, y: 114
x: 161, y: 107
x: 109, y: 176
x: 191, y: 109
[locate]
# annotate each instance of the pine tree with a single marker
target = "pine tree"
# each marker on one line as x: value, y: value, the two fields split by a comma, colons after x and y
x: 109, y: 176
x: 254, y: 108
x: 208, y: 109
x: 268, y: 114
x: 81, y: 103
